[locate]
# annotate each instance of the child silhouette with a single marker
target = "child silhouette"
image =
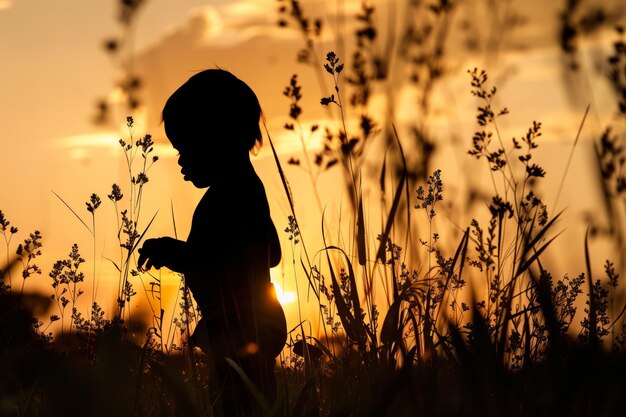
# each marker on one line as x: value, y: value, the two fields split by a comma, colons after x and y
x: 213, y: 122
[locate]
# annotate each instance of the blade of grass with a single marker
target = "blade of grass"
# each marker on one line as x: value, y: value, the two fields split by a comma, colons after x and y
x: 571, y: 155
x: 503, y: 320
x: 525, y: 265
x: 528, y: 247
x: 73, y: 212
x: 360, y: 234
x: 390, y: 219
x: 406, y: 189
x: 383, y: 172
x: 9, y: 265
x: 527, y: 338
x: 617, y: 317
x: 354, y: 293
x: 173, y: 218
x: 143, y: 234
x: 390, y: 330
x: 113, y: 262
x: 593, y: 316
x: 281, y: 173
x: 351, y: 325
x: 289, y: 195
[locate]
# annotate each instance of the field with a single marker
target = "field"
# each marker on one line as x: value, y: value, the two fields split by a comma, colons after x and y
x: 435, y: 302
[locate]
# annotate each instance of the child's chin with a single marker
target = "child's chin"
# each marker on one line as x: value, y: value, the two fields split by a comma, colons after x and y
x: 198, y: 183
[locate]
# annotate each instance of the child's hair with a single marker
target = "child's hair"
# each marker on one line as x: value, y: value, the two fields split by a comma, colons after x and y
x: 221, y: 102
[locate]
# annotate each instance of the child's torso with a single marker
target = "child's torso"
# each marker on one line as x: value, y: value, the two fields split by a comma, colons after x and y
x: 234, y: 242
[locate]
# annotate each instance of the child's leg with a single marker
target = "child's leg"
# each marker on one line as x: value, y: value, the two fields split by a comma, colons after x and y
x: 236, y: 396
x: 233, y: 395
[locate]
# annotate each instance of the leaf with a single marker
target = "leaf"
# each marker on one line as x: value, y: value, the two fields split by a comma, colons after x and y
x: 533, y: 242
x: 323, y: 347
x: 307, y: 350
x: 357, y: 327
x: 391, y: 218
x: 351, y: 325
x: 389, y: 331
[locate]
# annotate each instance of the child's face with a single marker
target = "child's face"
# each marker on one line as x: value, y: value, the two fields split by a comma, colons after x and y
x: 196, y: 159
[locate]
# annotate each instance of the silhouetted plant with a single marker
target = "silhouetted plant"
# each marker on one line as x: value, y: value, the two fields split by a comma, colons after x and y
x: 121, y: 50
x: 7, y: 234
x: 128, y: 234
x: 475, y: 327
x: 581, y: 18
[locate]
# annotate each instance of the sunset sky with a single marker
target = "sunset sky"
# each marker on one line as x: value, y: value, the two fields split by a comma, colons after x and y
x: 54, y: 68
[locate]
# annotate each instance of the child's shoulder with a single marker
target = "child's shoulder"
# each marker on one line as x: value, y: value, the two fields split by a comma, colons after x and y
x: 247, y: 195
x: 232, y: 212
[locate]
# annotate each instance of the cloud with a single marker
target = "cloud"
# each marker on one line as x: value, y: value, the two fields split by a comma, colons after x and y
x: 241, y: 37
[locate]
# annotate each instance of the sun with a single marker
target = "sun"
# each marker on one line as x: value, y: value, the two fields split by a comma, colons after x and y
x: 284, y: 297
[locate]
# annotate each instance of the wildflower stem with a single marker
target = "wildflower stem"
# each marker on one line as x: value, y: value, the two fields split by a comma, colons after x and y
x: 309, y: 167
x: 8, y: 242
x: 95, y: 285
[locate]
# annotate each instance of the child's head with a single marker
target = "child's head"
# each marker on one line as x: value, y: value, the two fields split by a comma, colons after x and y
x: 218, y: 104
x: 213, y: 115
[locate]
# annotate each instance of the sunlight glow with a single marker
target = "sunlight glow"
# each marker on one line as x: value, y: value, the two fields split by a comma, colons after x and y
x: 284, y: 297
x: 105, y: 140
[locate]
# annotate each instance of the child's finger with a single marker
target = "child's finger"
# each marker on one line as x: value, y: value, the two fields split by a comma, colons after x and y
x: 142, y: 259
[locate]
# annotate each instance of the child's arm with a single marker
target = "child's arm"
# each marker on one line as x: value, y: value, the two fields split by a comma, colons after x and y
x: 165, y: 251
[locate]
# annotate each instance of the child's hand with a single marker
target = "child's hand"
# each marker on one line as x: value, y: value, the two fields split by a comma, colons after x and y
x: 164, y: 251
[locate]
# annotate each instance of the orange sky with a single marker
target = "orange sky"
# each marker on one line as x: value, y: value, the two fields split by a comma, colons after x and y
x: 53, y: 69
